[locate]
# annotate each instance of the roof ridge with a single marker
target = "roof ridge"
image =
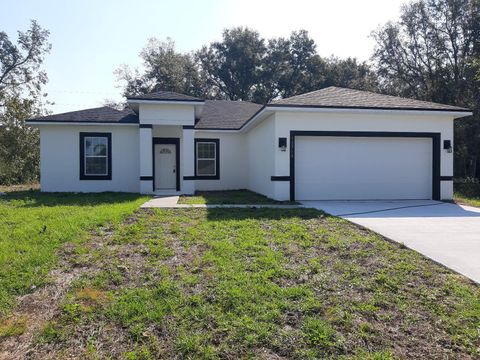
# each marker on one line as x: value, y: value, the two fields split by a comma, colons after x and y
x: 164, y: 95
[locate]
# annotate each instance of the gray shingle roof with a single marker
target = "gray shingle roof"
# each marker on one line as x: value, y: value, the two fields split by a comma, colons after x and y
x: 165, y: 96
x: 103, y: 114
x: 225, y: 114
x: 232, y: 115
x: 336, y: 97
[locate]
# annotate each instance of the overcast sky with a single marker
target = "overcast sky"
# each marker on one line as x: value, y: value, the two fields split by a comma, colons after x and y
x: 91, y: 38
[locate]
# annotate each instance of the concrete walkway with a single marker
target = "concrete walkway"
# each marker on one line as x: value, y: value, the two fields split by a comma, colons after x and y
x: 161, y: 202
x: 445, y: 232
x: 166, y: 202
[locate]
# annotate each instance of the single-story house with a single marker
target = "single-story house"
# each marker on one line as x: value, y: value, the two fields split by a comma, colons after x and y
x: 330, y: 144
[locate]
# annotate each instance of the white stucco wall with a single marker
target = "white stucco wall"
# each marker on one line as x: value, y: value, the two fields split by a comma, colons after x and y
x: 167, y: 114
x: 261, y: 157
x: 247, y: 160
x: 285, y: 121
x: 60, y: 159
x: 233, y: 162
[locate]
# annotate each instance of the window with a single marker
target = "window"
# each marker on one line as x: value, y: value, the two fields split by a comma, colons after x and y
x: 207, y: 159
x: 95, y: 156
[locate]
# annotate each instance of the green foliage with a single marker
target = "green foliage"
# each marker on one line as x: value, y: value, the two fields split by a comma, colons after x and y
x: 467, y: 187
x: 21, y: 81
x: 166, y: 69
x: 244, y: 66
x: 467, y: 191
x: 19, y: 144
x: 429, y: 54
x: 319, y: 333
x: 51, y: 333
x: 235, y: 64
x: 20, y: 65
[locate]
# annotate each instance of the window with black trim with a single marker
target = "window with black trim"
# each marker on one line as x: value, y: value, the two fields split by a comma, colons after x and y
x: 95, y: 156
x: 207, y: 158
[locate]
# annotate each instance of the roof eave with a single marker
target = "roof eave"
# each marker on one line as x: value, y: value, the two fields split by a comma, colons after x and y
x: 64, y: 122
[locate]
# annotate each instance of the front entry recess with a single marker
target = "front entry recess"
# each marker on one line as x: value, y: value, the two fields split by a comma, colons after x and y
x: 165, y: 167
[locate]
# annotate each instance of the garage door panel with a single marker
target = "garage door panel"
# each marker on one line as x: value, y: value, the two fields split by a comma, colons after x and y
x: 350, y: 168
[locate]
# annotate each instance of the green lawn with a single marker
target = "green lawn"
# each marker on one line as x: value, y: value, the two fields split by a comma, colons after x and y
x: 228, y: 197
x: 251, y: 283
x: 466, y: 200
x: 34, y: 225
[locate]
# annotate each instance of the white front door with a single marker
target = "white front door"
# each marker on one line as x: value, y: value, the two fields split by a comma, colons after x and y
x: 165, y: 167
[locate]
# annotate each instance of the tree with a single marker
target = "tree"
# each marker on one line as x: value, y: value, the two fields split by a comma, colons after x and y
x: 429, y: 55
x: 164, y: 69
x: 349, y: 73
x: 19, y: 144
x: 20, y: 64
x: 291, y: 66
x: 21, y: 80
x: 234, y: 65
x: 244, y: 66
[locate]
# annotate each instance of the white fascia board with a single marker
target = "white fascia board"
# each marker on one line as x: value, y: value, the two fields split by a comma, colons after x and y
x: 454, y: 114
x: 166, y: 102
x: 37, y: 123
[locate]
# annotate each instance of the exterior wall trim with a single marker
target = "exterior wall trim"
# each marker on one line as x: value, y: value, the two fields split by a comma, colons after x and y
x: 280, y: 178
x: 108, y: 135
x: 217, y: 160
x: 435, y: 151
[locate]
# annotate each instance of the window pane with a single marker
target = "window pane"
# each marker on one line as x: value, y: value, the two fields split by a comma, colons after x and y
x: 206, y: 167
x: 95, y: 166
x: 101, y: 147
x: 89, y: 144
x: 206, y: 150
x: 95, y: 146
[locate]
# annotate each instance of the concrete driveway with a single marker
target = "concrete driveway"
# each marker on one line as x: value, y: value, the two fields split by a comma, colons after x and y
x: 447, y: 233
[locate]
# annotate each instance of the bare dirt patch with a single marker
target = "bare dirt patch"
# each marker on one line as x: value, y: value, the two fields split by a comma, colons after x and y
x: 38, y: 308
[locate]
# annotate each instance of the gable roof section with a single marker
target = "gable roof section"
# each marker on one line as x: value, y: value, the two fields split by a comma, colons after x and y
x: 165, y: 96
x: 226, y: 114
x: 343, y: 98
x: 103, y: 114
